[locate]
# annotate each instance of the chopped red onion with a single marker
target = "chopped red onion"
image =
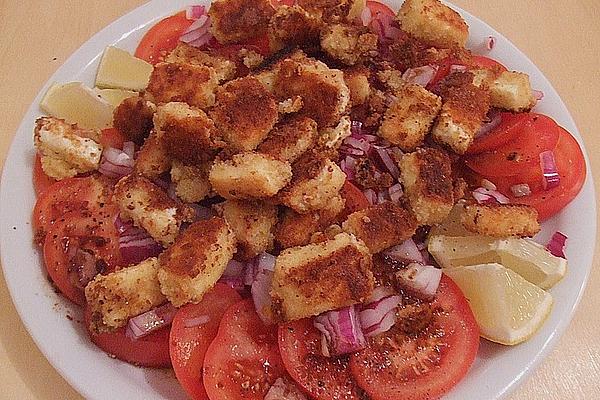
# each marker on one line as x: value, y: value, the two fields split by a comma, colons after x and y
x: 197, y: 321
x: 457, y: 68
x: 148, y: 322
x: 261, y: 286
x: 421, y: 280
x: 549, y: 170
x: 285, y: 389
x: 538, y: 94
x: 202, y: 212
x: 396, y: 192
x: 382, y: 196
x: 378, y: 314
x: 556, y: 245
x: 489, y: 185
x: 490, y: 42
x: 358, y: 144
x: 356, y: 128
x: 348, y: 165
x: 366, y: 16
x: 234, y: 282
x: 135, y: 244
x: 486, y: 196
x: 371, y: 196
x: 347, y: 150
x: 194, y: 12
x: 234, y: 268
x: 83, y: 266
x: 520, y: 190
x: 489, y: 126
x: 384, y: 26
x: 341, y: 331
x: 198, y: 34
x: 116, y: 163
x: 388, y: 162
x: 406, y: 251
x: 420, y: 75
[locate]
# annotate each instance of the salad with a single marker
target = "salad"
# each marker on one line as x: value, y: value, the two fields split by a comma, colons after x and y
x: 292, y: 200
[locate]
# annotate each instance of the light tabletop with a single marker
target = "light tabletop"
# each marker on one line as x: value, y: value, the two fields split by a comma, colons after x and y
x: 562, y: 37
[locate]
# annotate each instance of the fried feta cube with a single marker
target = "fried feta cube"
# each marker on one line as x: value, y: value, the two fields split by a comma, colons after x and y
x: 187, y: 132
x: 249, y: 175
x: 191, y: 181
x: 192, y: 84
x: 291, y: 27
x: 316, y: 180
x: 134, y: 118
x: 152, y: 160
x: 244, y: 113
x: 196, y: 261
x: 296, y: 229
x: 348, y: 44
x: 512, y: 91
x: 383, y: 225
x: 290, y: 106
x: 114, y: 298
x: 290, y: 139
x: 463, y: 110
x: 187, y: 54
x: 427, y: 178
x: 409, y: 117
x: 253, y: 223
x: 332, y: 138
x: 357, y: 80
x: 501, y: 220
x: 234, y: 21
x: 333, y: 10
x: 320, y: 277
x: 433, y: 22
x: 66, y: 150
x: 151, y: 208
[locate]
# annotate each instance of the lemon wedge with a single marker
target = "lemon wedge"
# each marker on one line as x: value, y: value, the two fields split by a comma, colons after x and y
x: 456, y: 251
x: 508, y: 309
x: 120, y: 70
x: 452, y: 225
x: 115, y: 96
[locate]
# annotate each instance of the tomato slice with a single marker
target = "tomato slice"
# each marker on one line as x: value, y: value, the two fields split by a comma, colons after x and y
x: 41, y: 181
x: 193, y: 329
x: 78, y: 246
x: 323, y: 378
x: 510, y: 127
x: 378, y: 7
x: 112, y: 137
x: 243, y: 360
x: 162, y: 38
x: 424, y: 365
x: 355, y: 199
x: 148, y: 351
x: 520, y: 154
x: 488, y: 63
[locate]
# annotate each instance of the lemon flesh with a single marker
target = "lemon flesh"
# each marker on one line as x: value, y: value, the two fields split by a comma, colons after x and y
x: 120, y: 70
x: 115, y: 96
x: 508, y: 309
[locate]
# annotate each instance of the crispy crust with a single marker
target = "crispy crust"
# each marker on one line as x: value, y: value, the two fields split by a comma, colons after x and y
x: 290, y: 139
x: 152, y: 160
x: 348, y: 44
x: 239, y: 20
x: 501, y: 220
x: 133, y: 118
x: 292, y: 26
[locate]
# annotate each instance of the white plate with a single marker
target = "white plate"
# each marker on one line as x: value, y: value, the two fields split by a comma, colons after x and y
x: 497, y: 369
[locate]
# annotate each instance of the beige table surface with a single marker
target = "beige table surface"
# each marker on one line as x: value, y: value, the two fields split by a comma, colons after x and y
x: 561, y: 36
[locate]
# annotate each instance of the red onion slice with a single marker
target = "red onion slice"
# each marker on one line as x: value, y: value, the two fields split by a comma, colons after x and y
x: 421, y: 75
x: 358, y: 144
x: 150, y: 321
x: 198, y: 34
x: 116, y: 163
x: 341, y: 331
x: 371, y: 196
x: 197, y: 321
x: 194, y: 12
x: 520, y: 190
x: 366, y: 16
x: 235, y: 268
x: 489, y: 126
x: 457, y: 68
x: 549, y: 170
x: 135, y: 244
x: 556, y: 245
x: 406, y: 251
x: 378, y: 314
x: 486, y: 196
x: 490, y: 42
x: 396, y: 192
x: 261, y: 286
x: 538, y: 94
x: 421, y: 280
x: 388, y: 162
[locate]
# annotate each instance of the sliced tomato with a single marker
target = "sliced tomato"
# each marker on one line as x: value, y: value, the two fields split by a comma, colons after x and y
x: 354, y: 197
x: 378, y: 7
x: 510, y: 127
x: 520, y: 154
x: 41, y: 181
x: 148, y: 351
x: 162, y: 38
x: 323, y: 378
x: 112, y: 137
x: 192, y: 331
x: 423, y: 365
x: 243, y: 360
x: 488, y: 63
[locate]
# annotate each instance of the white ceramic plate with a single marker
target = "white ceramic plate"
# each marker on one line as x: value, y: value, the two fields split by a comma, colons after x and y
x: 497, y: 369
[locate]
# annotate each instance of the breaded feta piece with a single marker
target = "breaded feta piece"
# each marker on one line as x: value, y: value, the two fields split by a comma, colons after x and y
x: 332, y: 10
x: 433, y: 22
x: 186, y: 54
x: 296, y: 229
x: 244, y: 113
x: 463, y: 110
x: 192, y: 84
x: 320, y: 277
x: 249, y: 175
x: 66, y: 150
x: 114, y: 298
x: 332, y: 138
x: 501, y: 220
x: 196, y: 261
x: 410, y: 117
x: 290, y: 106
x: 383, y: 225
x: 290, y: 139
x: 316, y: 180
x: 151, y: 208
x: 152, y: 160
x: 357, y: 80
x: 512, y: 91
x: 191, y: 181
x: 391, y: 78
x: 134, y: 118
x: 322, y: 89
x: 253, y: 223
x: 234, y: 21
x: 348, y: 44
x: 186, y: 131
x: 427, y: 178
x: 291, y: 27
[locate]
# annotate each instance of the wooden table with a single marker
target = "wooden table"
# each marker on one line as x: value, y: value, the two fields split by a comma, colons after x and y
x: 561, y: 37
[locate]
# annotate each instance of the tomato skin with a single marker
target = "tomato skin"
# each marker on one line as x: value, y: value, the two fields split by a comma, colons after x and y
x: 188, y: 345
x: 112, y: 137
x: 520, y: 154
x: 373, y: 366
x: 323, y: 378
x: 355, y: 199
x: 149, y: 351
x: 510, y: 127
x: 243, y: 360
x: 488, y: 63
x: 162, y: 37
x: 41, y: 181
